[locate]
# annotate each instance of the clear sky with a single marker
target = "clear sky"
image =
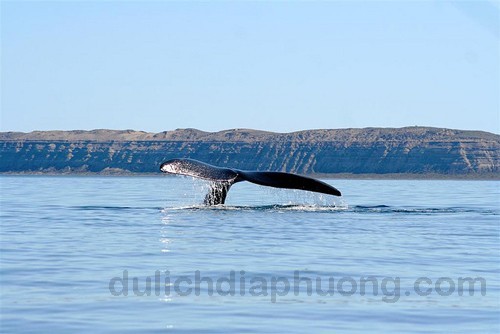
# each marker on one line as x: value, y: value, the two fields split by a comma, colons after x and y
x: 280, y: 66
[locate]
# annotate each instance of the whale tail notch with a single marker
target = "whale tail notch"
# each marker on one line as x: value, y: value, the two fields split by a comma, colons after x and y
x: 223, y: 178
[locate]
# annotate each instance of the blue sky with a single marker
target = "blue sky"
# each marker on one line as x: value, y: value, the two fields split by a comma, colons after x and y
x: 280, y: 66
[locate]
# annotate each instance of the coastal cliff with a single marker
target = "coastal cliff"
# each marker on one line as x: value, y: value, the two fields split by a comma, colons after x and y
x: 411, y: 150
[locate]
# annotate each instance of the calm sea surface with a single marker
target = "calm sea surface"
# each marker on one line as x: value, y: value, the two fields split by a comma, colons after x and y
x: 141, y: 255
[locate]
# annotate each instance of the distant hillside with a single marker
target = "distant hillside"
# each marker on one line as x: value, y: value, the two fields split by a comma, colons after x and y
x: 411, y: 150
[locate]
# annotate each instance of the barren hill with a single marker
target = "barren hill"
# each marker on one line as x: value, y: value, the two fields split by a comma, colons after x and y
x: 414, y: 150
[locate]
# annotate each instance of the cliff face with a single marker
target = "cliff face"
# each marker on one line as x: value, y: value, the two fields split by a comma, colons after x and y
x: 371, y: 150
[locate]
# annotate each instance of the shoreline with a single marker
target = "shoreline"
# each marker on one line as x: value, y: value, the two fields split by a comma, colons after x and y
x: 339, y: 176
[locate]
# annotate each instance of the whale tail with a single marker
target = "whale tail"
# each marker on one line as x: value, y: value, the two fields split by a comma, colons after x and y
x: 223, y: 178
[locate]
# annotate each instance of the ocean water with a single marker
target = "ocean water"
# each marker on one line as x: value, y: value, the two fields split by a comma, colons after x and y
x: 141, y: 254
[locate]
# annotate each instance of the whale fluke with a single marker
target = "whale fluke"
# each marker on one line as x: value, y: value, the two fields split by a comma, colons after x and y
x: 223, y: 178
